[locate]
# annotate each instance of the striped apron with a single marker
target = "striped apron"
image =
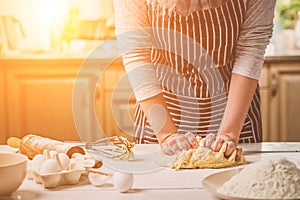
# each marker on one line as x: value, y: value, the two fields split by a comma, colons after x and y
x: 194, y: 55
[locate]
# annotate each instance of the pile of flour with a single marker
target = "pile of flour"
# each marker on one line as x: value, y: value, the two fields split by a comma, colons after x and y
x: 267, y: 179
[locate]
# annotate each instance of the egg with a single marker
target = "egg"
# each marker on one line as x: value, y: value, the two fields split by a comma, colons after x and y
x: 97, y: 179
x: 52, y: 154
x: 89, y: 163
x: 49, y: 166
x: 46, y: 153
x: 37, y: 162
x: 74, y: 164
x: 63, y: 160
x: 122, y: 181
x: 74, y: 155
x: 80, y: 159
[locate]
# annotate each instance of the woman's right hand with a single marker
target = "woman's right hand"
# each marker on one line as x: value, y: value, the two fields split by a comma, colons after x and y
x: 178, y: 142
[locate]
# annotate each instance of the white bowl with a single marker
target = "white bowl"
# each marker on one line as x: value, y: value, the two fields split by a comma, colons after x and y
x: 13, y: 169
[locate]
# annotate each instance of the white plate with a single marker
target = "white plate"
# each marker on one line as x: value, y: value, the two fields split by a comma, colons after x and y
x: 213, y: 182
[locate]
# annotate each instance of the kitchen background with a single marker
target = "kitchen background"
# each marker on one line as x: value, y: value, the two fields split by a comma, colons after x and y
x: 45, y: 43
x: 45, y: 23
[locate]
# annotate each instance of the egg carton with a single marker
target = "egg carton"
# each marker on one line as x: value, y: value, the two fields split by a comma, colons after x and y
x: 53, y: 180
x: 53, y: 169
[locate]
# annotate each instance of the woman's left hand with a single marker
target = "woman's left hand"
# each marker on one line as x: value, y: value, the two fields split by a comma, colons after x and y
x: 215, y: 143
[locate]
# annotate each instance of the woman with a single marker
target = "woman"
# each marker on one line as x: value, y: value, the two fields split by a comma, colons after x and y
x: 194, y: 66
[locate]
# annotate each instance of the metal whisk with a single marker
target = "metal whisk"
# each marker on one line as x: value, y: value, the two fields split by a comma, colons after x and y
x: 112, y: 147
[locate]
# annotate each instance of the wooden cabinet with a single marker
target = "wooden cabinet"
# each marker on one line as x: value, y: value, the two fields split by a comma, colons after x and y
x: 285, y: 122
x: 115, y: 102
x: 3, y: 125
x: 264, y: 96
x: 64, y: 99
x: 280, y: 86
x: 39, y: 98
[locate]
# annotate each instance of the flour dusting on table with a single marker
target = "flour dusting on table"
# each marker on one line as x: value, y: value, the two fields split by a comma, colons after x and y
x: 267, y: 179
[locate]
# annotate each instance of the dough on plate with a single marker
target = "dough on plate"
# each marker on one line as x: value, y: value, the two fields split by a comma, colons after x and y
x: 203, y: 157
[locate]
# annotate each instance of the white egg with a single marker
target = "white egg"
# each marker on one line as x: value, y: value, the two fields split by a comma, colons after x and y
x: 122, y: 181
x: 74, y: 155
x: 97, y: 179
x: 37, y: 162
x: 53, y: 154
x: 49, y: 166
x: 89, y: 163
x: 46, y: 153
x: 80, y: 159
x: 75, y: 165
x: 63, y: 160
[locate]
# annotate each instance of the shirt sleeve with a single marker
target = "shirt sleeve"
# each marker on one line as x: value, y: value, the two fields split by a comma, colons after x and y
x: 134, y: 38
x: 254, y: 37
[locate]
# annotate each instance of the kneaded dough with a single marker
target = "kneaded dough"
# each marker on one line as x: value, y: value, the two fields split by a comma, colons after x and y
x: 203, y: 157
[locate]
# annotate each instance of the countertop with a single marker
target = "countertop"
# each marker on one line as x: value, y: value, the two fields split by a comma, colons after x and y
x: 108, y: 50
x: 290, y: 57
x: 87, y: 50
x: 161, y: 183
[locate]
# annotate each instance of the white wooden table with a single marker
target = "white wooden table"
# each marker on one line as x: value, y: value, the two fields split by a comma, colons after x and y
x: 163, y: 183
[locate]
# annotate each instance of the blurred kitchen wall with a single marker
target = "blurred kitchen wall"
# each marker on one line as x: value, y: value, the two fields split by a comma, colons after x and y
x: 39, y: 16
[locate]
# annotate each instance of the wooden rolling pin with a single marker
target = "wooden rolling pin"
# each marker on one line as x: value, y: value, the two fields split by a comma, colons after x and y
x: 31, y: 145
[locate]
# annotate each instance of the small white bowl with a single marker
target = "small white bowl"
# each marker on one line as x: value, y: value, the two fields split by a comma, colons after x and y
x: 13, y: 170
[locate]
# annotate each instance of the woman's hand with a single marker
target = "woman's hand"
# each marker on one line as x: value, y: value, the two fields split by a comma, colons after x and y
x: 215, y: 143
x: 178, y: 142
